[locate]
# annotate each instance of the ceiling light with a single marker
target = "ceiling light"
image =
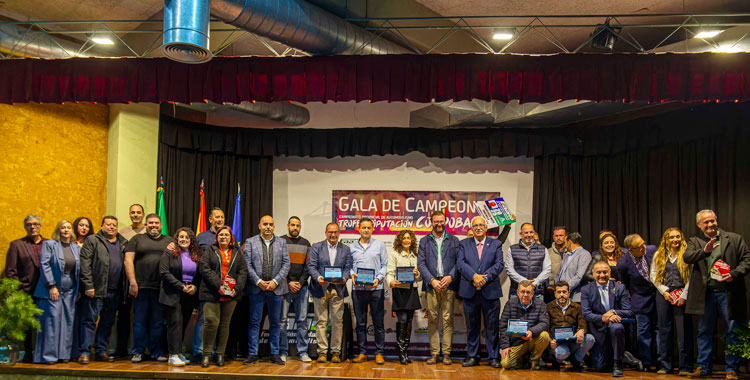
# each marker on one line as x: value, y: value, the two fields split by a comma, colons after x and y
x: 708, y: 33
x: 103, y: 40
x: 604, y: 36
x: 503, y: 34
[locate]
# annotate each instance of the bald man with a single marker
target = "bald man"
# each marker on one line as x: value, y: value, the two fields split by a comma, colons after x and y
x: 480, y: 261
x: 267, y: 259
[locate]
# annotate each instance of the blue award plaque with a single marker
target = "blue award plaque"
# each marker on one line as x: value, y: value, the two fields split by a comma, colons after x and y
x: 405, y: 275
x: 333, y: 274
x: 517, y: 327
x: 365, y: 276
x: 564, y: 333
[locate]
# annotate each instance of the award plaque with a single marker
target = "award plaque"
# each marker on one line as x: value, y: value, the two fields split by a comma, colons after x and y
x: 564, y: 333
x: 517, y: 327
x: 365, y: 276
x: 333, y: 274
x: 405, y: 275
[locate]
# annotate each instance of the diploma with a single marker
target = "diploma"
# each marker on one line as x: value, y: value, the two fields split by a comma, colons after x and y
x: 405, y: 275
x: 365, y: 276
x: 564, y: 333
x: 333, y: 274
x: 517, y: 327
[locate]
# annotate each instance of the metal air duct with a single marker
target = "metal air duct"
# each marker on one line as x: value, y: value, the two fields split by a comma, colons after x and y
x: 27, y: 43
x: 282, y: 112
x: 303, y: 26
x: 186, y: 32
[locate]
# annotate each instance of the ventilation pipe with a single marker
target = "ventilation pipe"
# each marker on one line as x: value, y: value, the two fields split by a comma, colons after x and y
x: 282, y: 112
x: 186, y: 32
x: 303, y: 26
x: 26, y: 43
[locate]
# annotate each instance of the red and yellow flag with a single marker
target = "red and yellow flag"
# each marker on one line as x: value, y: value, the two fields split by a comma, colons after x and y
x: 201, y: 225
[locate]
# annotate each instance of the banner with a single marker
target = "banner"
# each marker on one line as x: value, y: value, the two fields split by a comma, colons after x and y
x: 393, y: 211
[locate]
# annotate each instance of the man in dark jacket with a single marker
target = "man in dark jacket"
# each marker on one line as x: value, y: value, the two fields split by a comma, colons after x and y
x: 436, y: 261
x: 533, y: 311
x: 709, y: 297
x: 565, y: 313
x: 633, y: 271
x: 103, y: 283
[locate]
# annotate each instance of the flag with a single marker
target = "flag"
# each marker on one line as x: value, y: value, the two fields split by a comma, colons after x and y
x: 237, y: 219
x: 160, y: 208
x: 201, y: 225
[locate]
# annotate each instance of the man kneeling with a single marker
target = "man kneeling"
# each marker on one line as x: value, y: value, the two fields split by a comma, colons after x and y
x: 529, y: 313
x: 568, y: 328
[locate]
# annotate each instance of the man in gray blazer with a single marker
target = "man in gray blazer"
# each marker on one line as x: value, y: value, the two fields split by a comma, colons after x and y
x: 267, y: 259
x: 574, y: 264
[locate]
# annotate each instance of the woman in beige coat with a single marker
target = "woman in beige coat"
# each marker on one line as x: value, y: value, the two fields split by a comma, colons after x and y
x: 405, y: 295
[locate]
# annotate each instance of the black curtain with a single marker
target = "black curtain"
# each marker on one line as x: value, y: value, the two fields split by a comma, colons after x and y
x: 183, y: 169
x: 647, y: 190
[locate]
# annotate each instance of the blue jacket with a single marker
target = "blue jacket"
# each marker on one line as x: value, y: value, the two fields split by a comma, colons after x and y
x: 427, y: 259
x: 318, y: 258
x: 253, y: 255
x: 491, y: 265
x: 641, y: 289
x: 592, y: 308
x: 51, y: 266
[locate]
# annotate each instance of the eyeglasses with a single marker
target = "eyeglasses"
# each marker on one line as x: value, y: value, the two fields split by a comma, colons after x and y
x: 526, y: 292
x: 641, y: 248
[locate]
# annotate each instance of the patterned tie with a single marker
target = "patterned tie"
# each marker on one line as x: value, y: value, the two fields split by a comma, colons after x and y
x: 479, y: 249
x: 604, y: 295
x: 642, y: 267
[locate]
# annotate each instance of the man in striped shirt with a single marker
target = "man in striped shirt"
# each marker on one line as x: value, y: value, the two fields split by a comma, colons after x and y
x: 297, y: 296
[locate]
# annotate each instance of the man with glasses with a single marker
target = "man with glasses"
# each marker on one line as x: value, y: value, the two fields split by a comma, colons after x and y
x: 436, y: 261
x: 22, y: 264
x: 633, y: 270
x: 533, y: 312
x: 480, y: 261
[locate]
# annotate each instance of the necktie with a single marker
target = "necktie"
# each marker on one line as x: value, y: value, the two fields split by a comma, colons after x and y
x: 642, y: 267
x: 479, y: 250
x: 604, y: 295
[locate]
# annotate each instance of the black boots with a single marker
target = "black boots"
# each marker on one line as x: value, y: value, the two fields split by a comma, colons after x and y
x: 403, y: 337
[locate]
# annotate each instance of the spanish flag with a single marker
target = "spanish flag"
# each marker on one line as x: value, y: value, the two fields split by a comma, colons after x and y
x: 201, y: 225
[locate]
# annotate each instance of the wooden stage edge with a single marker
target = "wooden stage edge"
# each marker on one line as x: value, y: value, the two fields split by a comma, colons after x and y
x: 294, y: 369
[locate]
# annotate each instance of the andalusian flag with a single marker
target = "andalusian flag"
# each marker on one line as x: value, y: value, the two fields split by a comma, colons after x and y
x: 237, y: 219
x: 201, y: 225
x: 160, y: 208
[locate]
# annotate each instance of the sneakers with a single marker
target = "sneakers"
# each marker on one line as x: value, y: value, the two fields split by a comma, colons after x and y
x: 174, y: 360
x: 379, y: 359
x: 184, y: 360
x: 137, y: 358
x: 283, y: 357
x: 161, y: 358
x: 305, y: 358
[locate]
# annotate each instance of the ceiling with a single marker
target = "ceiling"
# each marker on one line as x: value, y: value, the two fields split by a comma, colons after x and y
x: 451, y: 28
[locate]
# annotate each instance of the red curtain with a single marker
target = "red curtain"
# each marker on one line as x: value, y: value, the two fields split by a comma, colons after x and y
x: 599, y: 77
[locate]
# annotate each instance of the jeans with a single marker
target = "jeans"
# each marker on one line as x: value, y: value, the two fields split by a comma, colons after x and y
x: 148, y: 318
x: 683, y: 327
x: 273, y: 302
x: 105, y: 309
x: 299, y: 302
x: 362, y: 299
x: 716, y: 303
x: 579, y: 350
x: 645, y: 324
x: 198, y: 332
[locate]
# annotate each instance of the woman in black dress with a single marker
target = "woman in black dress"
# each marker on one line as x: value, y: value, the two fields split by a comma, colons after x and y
x: 405, y: 295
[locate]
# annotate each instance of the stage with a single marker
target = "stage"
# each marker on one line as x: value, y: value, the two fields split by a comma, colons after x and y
x: 296, y: 370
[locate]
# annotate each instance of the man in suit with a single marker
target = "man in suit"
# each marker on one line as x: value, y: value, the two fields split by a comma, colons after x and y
x: 436, y: 261
x: 574, y: 264
x: 480, y: 261
x: 633, y: 271
x: 604, y: 304
x: 328, y: 297
x: 267, y: 259
x: 709, y: 297
x: 22, y: 264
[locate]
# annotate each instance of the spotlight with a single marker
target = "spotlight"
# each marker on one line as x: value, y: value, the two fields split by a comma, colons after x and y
x: 708, y: 33
x: 503, y: 34
x: 604, y: 37
x: 102, y: 40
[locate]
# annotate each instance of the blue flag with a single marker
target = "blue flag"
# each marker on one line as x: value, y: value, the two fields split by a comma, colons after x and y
x: 237, y: 219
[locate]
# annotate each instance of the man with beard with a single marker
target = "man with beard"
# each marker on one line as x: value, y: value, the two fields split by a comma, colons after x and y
x: 528, y: 260
x: 436, y: 260
x: 102, y: 285
x: 709, y: 297
x: 142, y: 269
x: 556, y: 253
x: 565, y: 313
x: 208, y: 237
x: 297, y: 296
x: 136, y: 227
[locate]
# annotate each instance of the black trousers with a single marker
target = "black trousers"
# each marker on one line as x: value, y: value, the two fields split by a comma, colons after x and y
x: 177, y: 320
x: 124, y: 322
x: 683, y: 326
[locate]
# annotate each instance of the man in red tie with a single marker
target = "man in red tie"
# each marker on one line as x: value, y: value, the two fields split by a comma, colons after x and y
x: 480, y: 261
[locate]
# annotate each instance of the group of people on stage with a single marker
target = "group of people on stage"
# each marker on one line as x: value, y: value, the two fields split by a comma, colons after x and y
x: 565, y: 302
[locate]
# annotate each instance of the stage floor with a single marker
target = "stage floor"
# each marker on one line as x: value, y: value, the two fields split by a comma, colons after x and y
x: 295, y: 370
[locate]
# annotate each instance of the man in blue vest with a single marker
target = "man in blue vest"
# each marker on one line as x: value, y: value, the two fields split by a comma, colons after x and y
x: 528, y: 260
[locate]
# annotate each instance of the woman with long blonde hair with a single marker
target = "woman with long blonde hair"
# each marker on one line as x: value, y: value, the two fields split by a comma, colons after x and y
x: 671, y: 276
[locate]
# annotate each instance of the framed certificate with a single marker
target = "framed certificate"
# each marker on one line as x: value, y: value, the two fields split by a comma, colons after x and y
x: 517, y: 327
x: 365, y: 276
x: 333, y: 274
x: 405, y: 275
x: 564, y: 333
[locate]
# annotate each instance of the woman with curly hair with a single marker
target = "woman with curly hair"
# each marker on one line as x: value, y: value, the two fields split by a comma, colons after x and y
x: 405, y: 296
x: 609, y: 252
x: 671, y: 276
x: 179, y: 289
